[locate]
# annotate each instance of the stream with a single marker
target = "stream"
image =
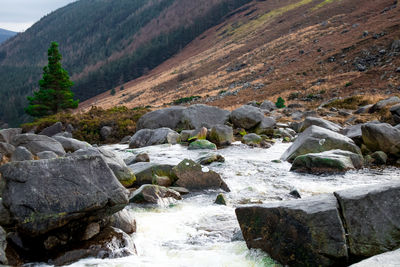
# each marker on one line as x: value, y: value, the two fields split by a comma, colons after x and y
x: 197, y: 232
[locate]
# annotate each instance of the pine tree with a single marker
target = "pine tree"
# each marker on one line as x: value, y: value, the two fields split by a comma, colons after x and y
x: 280, y: 103
x: 54, y: 92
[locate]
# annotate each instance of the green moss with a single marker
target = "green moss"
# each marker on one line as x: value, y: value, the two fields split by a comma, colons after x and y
x: 202, y: 144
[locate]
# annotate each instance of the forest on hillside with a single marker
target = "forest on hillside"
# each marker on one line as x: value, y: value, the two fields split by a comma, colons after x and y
x: 104, y: 44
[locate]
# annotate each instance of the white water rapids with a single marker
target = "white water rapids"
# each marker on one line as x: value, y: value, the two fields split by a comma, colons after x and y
x: 197, y: 232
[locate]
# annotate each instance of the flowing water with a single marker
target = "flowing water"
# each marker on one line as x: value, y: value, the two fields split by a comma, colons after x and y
x: 197, y: 232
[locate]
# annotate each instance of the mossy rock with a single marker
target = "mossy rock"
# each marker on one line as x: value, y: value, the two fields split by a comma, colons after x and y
x: 220, y: 200
x: 202, y: 144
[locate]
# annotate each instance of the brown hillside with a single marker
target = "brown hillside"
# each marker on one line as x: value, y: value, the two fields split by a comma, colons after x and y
x: 302, y: 50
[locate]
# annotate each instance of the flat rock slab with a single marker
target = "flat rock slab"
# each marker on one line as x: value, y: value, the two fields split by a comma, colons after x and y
x: 372, y: 218
x: 309, y: 121
x: 305, y: 232
x: 45, y: 195
x: 388, y: 259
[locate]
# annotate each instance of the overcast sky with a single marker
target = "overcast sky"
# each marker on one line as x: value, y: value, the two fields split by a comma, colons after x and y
x: 19, y: 15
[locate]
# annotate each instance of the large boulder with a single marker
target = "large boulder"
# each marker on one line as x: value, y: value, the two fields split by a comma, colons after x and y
x: 105, y: 132
x: 331, y: 161
x: 47, y: 155
x: 381, y: 137
x: 150, y: 137
x: 306, y: 232
x: 117, y: 165
x: 154, y: 194
x: 7, y: 135
x: 52, y: 130
x: 395, y: 110
x: 319, y: 122
x: 316, y: 139
x: 388, y: 259
x: 384, y: 103
x: 192, y: 175
x: 246, y: 117
x: 167, y: 117
x: 199, y: 115
x: 76, y: 188
x: 147, y: 172
x: 266, y: 126
x: 38, y: 143
x: 71, y: 144
x: 221, y: 135
x: 6, y: 149
x: 372, y: 218
x: 124, y: 220
x: 268, y: 106
x: 21, y: 154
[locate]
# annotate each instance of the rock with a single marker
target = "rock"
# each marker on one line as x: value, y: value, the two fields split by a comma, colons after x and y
x: 202, y: 144
x: 388, y: 259
x: 319, y: 122
x: 162, y: 181
x: 5, y: 218
x: 354, y: 133
x: 64, y: 134
x: 38, y: 143
x: 6, y: 149
x: 124, y: 175
x: 395, y: 110
x: 70, y: 144
x: 21, y: 154
x: 381, y: 137
x: 209, y: 158
x: 110, y: 243
x: 192, y: 176
x: 77, y: 188
x: 266, y: 126
x: 316, y: 139
x: 125, y: 140
x: 331, y: 161
x: 105, y: 132
x: 305, y: 232
x: 91, y: 230
x: 168, y: 117
x: 7, y: 135
x: 371, y: 217
x: 145, y: 172
x: 47, y: 155
x: 199, y: 115
x: 252, y: 139
x: 294, y: 193
x: 383, y: 103
x: 221, y: 135
x: 246, y: 117
x: 52, y: 130
x: 363, y: 109
x: 124, y: 220
x: 287, y: 134
x: 379, y: 157
x: 3, y: 246
x: 142, y: 157
x: 186, y: 135
x: 154, y: 194
x: 268, y: 106
x: 70, y: 128
x: 220, y: 200
x: 149, y: 137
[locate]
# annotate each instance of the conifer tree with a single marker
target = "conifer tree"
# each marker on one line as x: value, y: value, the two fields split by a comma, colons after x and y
x: 54, y: 92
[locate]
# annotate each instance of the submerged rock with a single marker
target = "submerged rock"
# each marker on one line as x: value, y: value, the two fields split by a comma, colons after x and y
x: 220, y: 200
x: 252, y: 139
x: 193, y: 176
x: 210, y: 158
x: 331, y: 161
x: 221, y: 135
x: 306, y: 232
x: 316, y: 139
x: 146, y: 172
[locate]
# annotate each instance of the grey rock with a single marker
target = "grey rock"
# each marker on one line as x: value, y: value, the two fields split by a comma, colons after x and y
x: 6, y: 149
x: 221, y: 135
x: 395, y: 110
x: 220, y: 200
x: 142, y: 157
x: 71, y: 144
x: 246, y: 117
x: 187, y: 134
x: 146, y: 172
x: 381, y: 137
x: 383, y: 103
x: 193, y: 176
x: 7, y: 135
x: 209, y: 158
x: 38, y: 143
x: 105, y: 132
x: 316, y: 139
x: 331, y: 161
x: 388, y: 259
x: 199, y: 115
x: 52, y: 130
x: 77, y: 188
x: 21, y: 154
x: 125, y: 140
x: 150, y: 137
x: 266, y: 126
x: 124, y: 220
x: 168, y: 117
x: 3, y: 246
x: 354, y: 133
x: 154, y: 194
x: 363, y: 109
x: 268, y: 105
x: 371, y: 217
x: 117, y: 165
x: 70, y: 128
x: 305, y: 232
x: 5, y: 217
x: 91, y: 230
x: 47, y: 155
x: 252, y: 139
x: 64, y: 134
x: 379, y: 157
x: 319, y: 122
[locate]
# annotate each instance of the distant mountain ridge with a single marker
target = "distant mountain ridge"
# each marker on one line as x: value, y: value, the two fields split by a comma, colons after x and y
x: 104, y: 43
x: 5, y: 35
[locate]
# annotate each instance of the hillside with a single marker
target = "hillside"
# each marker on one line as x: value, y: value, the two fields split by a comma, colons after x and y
x: 307, y: 51
x: 104, y: 43
x: 5, y: 35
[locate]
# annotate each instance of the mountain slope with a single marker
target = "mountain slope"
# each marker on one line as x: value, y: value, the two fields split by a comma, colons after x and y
x: 104, y: 43
x: 307, y: 51
x: 6, y: 34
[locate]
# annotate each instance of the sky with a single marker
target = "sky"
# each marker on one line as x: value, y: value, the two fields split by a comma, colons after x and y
x: 19, y: 15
